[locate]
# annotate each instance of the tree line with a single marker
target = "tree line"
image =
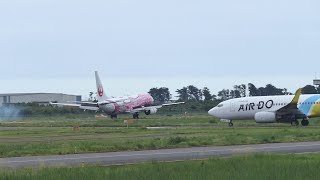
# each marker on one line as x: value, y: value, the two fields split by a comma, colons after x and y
x: 199, y: 99
x: 192, y: 93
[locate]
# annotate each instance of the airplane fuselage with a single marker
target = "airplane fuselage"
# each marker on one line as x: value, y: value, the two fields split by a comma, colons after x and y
x: 126, y: 104
x: 114, y: 106
x: 246, y: 108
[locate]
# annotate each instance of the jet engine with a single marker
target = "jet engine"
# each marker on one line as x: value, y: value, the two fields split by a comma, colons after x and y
x: 151, y: 111
x: 108, y: 108
x: 265, y: 117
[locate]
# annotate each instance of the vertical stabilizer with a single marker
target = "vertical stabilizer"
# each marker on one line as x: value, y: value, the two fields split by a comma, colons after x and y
x: 101, y: 96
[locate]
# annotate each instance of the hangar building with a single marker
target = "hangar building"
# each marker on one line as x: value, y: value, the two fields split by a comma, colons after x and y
x: 43, y: 98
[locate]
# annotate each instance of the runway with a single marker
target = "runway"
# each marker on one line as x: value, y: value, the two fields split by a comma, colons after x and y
x: 119, y: 158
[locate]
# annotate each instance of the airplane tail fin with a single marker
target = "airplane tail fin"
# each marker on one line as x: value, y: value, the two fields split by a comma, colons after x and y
x: 101, y: 96
x: 297, y: 96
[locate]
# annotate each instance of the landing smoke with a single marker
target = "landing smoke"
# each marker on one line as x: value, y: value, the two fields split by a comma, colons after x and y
x: 9, y: 113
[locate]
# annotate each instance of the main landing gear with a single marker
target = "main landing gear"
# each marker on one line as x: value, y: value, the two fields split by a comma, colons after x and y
x: 114, y: 116
x: 293, y: 120
x: 136, y: 115
x: 304, y: 122
x: 295, y: 123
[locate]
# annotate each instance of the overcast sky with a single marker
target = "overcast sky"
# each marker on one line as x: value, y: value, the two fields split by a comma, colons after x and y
x: 55, y: 45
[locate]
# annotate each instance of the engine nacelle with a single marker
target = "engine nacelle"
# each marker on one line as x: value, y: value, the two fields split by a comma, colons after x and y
x: 151, y: 111
x: 265, y: 117
x: 108, y: 108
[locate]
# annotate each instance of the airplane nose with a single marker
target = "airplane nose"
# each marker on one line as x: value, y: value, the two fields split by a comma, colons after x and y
x: 212, y: 112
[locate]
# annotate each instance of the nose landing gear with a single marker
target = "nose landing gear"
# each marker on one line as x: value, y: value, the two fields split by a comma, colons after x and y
x: 230, y: 124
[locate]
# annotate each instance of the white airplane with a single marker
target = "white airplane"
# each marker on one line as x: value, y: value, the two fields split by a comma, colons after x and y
x: 114, y: 106
x: 270, y: 109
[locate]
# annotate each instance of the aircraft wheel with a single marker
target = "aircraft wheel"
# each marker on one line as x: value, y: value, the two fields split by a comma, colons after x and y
x: 295, y: 123
x: 136, y: 116
x: 305, y: 122
x: 230, y: 124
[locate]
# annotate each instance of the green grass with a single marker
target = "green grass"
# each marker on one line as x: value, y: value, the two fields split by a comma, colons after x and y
x: 95, y: 137
x: 87, y: 140
x: 282, y: 167
x: 91, y: 121
x: 145, y: 121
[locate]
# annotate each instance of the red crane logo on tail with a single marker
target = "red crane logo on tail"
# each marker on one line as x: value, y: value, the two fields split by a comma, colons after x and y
x: 100, y: 91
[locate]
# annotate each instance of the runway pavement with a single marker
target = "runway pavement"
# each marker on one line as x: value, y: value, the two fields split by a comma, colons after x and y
x: 118, y: 158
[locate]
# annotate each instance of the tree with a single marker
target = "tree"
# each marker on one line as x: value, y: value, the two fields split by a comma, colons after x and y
x: 253, y: 90
x: 309, y: 89
x: 235, y: 93
x: 183, y: 94
x: 214, y: 97
x: 243, y: 90
x: 194, y: 93
x: 160, y: 95
x: 91, y: 98
x: 224, y: 94
x: 207, y: 94
x: 272, y: 90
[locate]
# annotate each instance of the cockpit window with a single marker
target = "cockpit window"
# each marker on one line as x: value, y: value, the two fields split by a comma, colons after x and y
x: 220, y: 105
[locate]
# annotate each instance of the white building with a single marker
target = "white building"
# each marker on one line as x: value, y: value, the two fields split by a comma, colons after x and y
x: 43, y: 98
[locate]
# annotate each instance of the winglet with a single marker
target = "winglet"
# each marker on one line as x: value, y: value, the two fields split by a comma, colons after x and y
x: 297, y: 96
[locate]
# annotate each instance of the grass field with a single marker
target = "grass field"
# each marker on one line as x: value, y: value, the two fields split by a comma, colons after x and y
x: 58, y: 141
x: 55, y: 135
x: 282, y: 167
x: 92, y: 121
x: 145, y: 121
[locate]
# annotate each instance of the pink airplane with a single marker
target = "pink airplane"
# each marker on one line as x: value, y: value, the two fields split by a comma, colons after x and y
x: 114, y: 106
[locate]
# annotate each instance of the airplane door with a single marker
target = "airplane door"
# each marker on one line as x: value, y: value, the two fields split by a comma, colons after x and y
x: 232, y: 107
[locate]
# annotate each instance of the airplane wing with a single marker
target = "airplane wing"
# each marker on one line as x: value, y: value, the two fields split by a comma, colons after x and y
x: 173, y: 104
x: 154, y: 107
x: 66, y: 104
x: 292, y: 107
x: 93, y: 103
x: 83, y: 102
x: 90, y: 108
x: 106, y: 102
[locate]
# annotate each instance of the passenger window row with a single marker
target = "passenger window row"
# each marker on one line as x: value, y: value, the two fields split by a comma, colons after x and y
x: 306, y: 103
x: 309, y: 103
